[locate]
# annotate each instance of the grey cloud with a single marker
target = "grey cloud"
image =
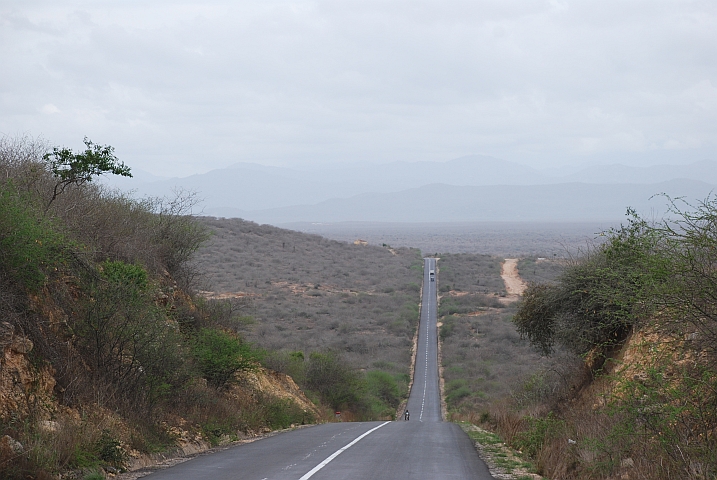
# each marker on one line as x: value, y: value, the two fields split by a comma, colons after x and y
x: 198, y: 85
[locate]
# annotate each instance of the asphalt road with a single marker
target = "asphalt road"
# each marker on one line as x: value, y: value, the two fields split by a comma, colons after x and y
x: 425, y: 447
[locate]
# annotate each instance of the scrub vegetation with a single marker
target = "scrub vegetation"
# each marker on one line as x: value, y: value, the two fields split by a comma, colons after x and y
x: 483, y: 356
x: 337, y: 317
x: 131, y: 326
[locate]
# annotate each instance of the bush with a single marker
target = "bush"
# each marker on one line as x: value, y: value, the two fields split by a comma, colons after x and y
x: 456, y: 390
x: 29, y: 242
x: 539, y: 431
x: 125, y: 338
x: 661, y: 278
x: 599, y: 298
x: 220, y: 355
x: 290, y: 363
x: 383, y: 386
x: 447, y: 327
x: 334, y: 380
x: 282, y: 413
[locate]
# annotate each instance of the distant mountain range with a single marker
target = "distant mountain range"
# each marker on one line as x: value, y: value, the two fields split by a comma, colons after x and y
x: 472, y: 188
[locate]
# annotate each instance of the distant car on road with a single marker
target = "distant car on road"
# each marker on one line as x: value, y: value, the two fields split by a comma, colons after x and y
x: 432, y: 274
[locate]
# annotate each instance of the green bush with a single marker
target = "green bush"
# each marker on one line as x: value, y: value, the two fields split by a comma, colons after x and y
x: 121, y: 273
x: 383, y: 386
x: 110, y: 450
x: 125, y: 337
x: 336, y: 382
x: 597, y: 300
x: 220, y: 355
x: 282, y: 413
x: 447, y: 327
x: 29, y: 242
x: 457, y: 390
x: 539, y: 431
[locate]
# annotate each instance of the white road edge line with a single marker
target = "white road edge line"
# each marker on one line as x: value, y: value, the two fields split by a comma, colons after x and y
x: 337, y: 453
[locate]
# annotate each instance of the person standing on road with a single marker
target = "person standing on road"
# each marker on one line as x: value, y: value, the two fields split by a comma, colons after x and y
x: 406, y: 415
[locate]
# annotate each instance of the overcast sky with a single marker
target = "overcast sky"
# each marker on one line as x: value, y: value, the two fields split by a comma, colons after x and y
x: 182, y: 87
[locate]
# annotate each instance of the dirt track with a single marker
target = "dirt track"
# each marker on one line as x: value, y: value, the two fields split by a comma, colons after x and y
x: 514, y: 285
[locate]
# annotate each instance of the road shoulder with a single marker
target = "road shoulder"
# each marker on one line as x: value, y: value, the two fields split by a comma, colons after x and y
x: 502, y: 461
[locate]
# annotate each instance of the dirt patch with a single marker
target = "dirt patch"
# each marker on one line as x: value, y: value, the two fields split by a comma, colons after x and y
x: 226, y: 295
x: 514, y: 285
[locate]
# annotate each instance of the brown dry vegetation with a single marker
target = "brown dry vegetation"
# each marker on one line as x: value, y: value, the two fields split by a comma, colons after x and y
x: 536, y: 269
x: 300, y: 294
x: 500, y: 239
x: 308, y: 293
x: 484, y: 359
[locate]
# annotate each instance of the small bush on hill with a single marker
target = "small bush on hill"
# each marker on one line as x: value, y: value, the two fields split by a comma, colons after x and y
x: 220, y: 355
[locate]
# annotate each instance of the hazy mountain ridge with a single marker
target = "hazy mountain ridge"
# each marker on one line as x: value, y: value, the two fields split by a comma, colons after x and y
x: 509, y: 190
x: 450, y: 203
x: 704, y: 171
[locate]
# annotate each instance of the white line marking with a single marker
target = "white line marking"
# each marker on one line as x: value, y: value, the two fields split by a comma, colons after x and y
x: 428, y: 321
x: 337, y: 453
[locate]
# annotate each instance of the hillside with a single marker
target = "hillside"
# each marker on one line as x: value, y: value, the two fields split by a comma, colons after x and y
x: 632, y: 325
x: 107, y: 357
x: 301, y: 295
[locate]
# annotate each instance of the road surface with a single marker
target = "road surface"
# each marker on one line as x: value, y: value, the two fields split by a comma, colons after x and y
x: 423, y: 448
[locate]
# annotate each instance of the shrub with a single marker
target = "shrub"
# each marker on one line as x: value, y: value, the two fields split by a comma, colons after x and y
x: 539, y: 431
x: 125, y: 338
x: 334, y: 380
x: 282, y: 413
x: 220, y: 355
x: 383, y: 386
x: 29, y: 242
x: 456, y: 390
x: 447, y: 327
x: 599, y: 298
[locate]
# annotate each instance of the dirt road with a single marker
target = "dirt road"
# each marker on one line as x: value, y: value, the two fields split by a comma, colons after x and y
x: 514, y: 285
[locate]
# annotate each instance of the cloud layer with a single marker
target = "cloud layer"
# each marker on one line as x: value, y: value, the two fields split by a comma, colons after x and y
x: 184, y: 87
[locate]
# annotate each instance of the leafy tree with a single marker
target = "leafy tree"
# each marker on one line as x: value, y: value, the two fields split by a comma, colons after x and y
x: 71, y: 168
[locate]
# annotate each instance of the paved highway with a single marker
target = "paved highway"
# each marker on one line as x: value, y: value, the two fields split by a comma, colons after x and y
x: 425, y: 447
